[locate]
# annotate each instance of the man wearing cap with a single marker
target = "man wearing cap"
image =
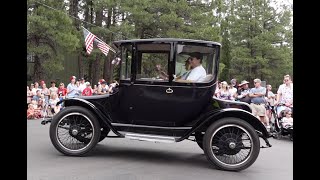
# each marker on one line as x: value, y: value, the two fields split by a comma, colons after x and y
x: 258, y: 101
x: 197, y: 72
x: 88, y: 90
x: 72, y: 88
x: 243, y: 94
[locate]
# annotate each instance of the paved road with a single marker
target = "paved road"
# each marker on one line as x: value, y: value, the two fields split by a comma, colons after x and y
x: 123, y: 159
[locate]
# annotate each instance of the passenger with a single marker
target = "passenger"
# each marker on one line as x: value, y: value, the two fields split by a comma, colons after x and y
x: 187, y: 67
x: 161, y: 73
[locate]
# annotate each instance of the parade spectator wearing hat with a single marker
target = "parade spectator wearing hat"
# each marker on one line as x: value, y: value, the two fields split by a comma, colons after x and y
x: 88, y: 90
x: 72, y: 89
x: 243, y: 93
x: 258, y: 102
x: 53, y: 87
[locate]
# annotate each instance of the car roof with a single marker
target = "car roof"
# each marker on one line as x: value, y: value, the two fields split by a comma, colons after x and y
x: 117, y: 43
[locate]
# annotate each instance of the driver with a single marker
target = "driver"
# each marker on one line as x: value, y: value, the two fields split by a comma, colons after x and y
x: 197, y: 72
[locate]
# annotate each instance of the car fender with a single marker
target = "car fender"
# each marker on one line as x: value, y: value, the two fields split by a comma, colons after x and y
x: 102, y: 118
x: 215, y: 115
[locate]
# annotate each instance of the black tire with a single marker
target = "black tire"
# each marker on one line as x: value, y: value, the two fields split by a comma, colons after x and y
x: 199, y: 139
x: 78, y: 123
x: 227, y: 137
x: 104, y: 133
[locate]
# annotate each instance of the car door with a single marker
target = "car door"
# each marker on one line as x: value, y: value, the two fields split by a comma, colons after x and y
x: 151, y: 99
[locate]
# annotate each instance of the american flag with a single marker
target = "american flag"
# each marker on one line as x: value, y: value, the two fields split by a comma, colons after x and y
x: 103, y: 47
x: 89, y: 38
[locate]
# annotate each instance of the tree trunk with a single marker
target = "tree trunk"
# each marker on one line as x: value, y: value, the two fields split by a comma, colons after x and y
x: 38, y: 73
x: 80, y: 65
x: 88, y: 17
x: 90, y: 73
x: 97, y: 62
x: 96, y: 70
x: 106, y: 68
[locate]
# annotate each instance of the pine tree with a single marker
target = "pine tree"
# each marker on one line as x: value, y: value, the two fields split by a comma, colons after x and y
x: 49, y: 34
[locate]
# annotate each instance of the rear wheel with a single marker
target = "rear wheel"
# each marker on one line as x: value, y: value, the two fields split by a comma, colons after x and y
x: 231, y: 144
x: 74, y: 131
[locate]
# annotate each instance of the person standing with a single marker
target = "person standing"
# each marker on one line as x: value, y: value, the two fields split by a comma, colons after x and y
x: 258, y: 102
x: 46, y: 92
x: 285, y: 95
x: 53, y: 88
x: 72, y: 88
x: 82, y: 84
x: 243, y: 94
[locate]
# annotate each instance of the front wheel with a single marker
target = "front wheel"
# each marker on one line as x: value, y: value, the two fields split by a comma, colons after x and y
x: 74, y: 131
x: 231, y: 144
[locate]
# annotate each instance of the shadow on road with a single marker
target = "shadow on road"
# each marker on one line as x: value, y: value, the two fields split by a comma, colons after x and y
x: 151, y: 155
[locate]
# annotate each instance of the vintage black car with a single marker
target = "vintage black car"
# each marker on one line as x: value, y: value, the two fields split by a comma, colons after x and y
x: 151, y: 104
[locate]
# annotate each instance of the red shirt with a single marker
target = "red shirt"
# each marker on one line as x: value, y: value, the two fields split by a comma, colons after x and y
x: 87, y: 92
x: 63, y: 90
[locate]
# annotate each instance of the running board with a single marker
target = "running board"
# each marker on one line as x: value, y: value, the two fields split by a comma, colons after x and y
x: 150, y: 137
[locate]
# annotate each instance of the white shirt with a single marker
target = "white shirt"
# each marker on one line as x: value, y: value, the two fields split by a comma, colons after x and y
x: 82, y: 86
x: 233, y: 92
x: 198, y: 74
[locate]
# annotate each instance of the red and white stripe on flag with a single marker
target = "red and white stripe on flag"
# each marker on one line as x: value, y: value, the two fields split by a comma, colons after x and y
x: 89, y: 42
x: 103, y: 47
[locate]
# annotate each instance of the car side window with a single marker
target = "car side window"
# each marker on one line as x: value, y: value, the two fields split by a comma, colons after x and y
x: 126, y: 62
x: 152, y: 62
x: 194, y: 64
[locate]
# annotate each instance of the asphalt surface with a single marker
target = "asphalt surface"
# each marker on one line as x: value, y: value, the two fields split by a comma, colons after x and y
x: 124, y: 159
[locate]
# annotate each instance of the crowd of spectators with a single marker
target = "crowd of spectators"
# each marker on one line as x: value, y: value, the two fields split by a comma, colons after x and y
x: 261, y: 99
x: 41, y: 101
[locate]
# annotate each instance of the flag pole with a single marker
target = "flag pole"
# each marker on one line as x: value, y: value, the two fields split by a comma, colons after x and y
x: 101, y: 40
